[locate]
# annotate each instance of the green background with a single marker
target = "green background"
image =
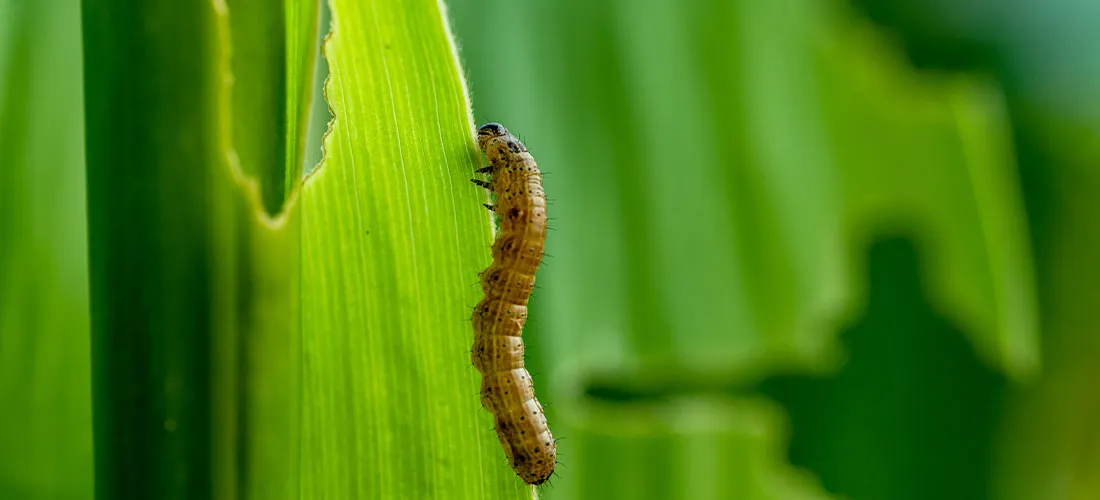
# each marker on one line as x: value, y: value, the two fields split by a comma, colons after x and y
x: 801, y: 249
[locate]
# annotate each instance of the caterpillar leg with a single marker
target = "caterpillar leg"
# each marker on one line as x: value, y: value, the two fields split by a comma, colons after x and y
x: 490, y: 207
x: 481, y: 183
x: 484, y: 170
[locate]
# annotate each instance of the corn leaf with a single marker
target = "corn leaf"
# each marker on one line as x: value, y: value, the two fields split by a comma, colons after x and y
x: 45, y: 394
x: 393, y: 238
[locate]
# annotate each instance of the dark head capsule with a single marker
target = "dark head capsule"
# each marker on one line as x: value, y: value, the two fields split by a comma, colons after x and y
x: 489, y: 131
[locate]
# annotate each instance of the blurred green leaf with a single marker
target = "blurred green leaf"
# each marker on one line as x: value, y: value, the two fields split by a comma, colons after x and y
x: 394, y: 236
x: 195, y: 289
x: 302, y: 28
x: 263, y: 102
x: 1039, y: 51
x: 320, y: 115
x: 717, y: 171
x: 1049, y: 437
x: 931, y: 156
x: 45, y: 395
x: 685, y: 446
x: 890, y: 422
x: 272, y: 90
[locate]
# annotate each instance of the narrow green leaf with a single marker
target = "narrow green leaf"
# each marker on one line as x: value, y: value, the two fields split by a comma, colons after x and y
x: 688, y: 446
x: 261, y: 113
x: 195, y: 290
x: 273, y: 67
x: 150, y: 232
x: 302, y: 27
x: 393, y: 238
x: 1049, y: 433
x: 45, y: 395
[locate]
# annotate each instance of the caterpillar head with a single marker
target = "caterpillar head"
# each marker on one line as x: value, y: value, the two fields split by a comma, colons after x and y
x: 488, y: 132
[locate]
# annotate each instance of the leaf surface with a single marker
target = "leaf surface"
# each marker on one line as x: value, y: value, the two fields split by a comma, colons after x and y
x: 394, y: 236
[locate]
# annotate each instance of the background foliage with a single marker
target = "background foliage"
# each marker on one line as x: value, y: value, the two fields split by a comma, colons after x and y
x: 802, y: 249
x: 45, y: 385
x: 721, y: 172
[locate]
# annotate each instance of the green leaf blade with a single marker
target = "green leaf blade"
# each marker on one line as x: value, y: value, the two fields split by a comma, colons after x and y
x: 393, y: 238
x: 45, y: 394
x: 195, y: 295
x: 302, y: 23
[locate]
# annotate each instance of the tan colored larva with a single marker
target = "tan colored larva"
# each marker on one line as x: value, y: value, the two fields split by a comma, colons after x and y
x: 506, y: 387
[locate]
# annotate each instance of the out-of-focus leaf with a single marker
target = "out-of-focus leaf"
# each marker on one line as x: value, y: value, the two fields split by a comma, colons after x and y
x: 320, y: 115
x: 272, y: 90
x: 930, y: 156
x: 889, y: 423
x: 683, y: 447
x: 394, y: 236
x: 195, y: 289
x: 717, y: 170
x: 302, y: 23
x: 262, y: 109
x: 45, y: 394
x: 1051, y: 432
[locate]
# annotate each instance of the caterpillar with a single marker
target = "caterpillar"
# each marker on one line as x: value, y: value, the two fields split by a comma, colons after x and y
x: 506, y: 387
